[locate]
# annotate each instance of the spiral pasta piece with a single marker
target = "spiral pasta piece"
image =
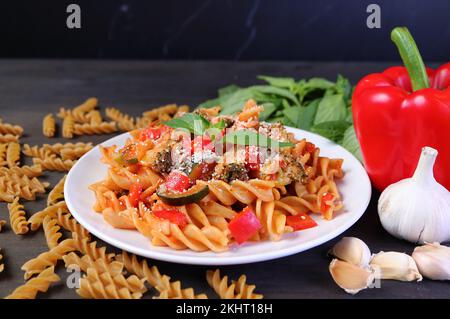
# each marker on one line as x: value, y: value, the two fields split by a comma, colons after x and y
x: 167, y: 288
x: 77, y: 117
x: 7, y: 138
x: 74, y: 153
x: 13, y: 154
x: 273, y: 221
x: 94, y: 117
x: 68, y: 127
x: 84, y: 246
x: 169, y: 109
x: 17, y: 217
x: 89, y: 129
x: 65, y: 220
x: 49, y: 125
x: 53, y: 163
x: 37, y: 218
x: 85, y: 262
x: 58, y: 147
x: 23, y: 181
x: 3, y: 148
x: 88, y: 105
x: 124, y: 122
x: 6, y: 128
x: 48, y: 258
x: 10, y: 189
x: 29, y: 171
x: 41, y: 283
x: 2, y: 265
x: 51, y: 232
x: 237, y: 290
x: 57, y: 193
x: 2, y: 223
x: 35, y: 151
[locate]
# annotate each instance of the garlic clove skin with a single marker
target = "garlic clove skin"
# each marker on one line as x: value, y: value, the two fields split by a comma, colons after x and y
x: 417, y: 209
x: 352, y: 250
x: 433, y: 261
x: 395, y: 265
x: 350, y: 277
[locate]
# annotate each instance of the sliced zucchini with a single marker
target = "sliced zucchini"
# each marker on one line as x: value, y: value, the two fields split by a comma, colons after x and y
x: 192, y: 195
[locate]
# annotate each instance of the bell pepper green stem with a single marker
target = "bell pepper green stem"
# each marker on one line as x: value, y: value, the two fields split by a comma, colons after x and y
x: 411, y: 57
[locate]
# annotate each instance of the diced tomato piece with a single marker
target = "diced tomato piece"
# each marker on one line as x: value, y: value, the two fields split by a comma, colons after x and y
x: 177, y: 181
x: 152, y: 133
x: 325, y: 202
x: 310, y: 147
x: 244, y: 225
x: 252, y: 160
x: 135, y: 194
x: 200, y: 143
x: 300, y: 221
x: 172, y: 215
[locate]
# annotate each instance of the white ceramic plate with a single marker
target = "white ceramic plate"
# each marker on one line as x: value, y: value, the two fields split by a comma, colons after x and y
x: 355, y: 189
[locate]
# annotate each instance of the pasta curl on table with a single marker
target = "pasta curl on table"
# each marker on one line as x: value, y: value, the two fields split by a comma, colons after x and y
x: 92, y: 129
x: 58, y: 147
x: 57, y: 193
x: 13, y: 154
x: 36, y: 151
x: 49, y: 125
x: 94, y: 117
x: 7, y: 138
x: 6, y: 128
x: 74, y: 153
x: 85, y: 247
x: 124, y: 121
x: 37, y: 218
x: 29, y: 171
x: 17, y: 217
x: 237, y: 290
x: 48, y: 258
x: 2, y: 265
x: 68, y: 127
x: 3, y: 148
x: 167, y: 288
x: 66, y: 221
x: 51, y: 232
x: 41, y: 283
x: 2, y: 223
x: 53, y: 163
x: 169, y: 109
x: 85, y: 262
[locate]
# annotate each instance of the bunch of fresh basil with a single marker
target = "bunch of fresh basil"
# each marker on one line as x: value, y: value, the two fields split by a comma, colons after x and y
x: 315, y: 105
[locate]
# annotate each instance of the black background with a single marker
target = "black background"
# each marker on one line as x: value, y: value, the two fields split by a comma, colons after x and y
x: 221, y: 29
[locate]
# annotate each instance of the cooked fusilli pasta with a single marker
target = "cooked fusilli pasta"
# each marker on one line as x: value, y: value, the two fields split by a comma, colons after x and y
x: 49, y: 125
x: 237, y: 290
x: 169, y: 109
x: 48, y: 258
x: 51, y: 231
x: 17, y: 217
x: 40, y: 283
x: 92, y: 129
x: 13, y: 154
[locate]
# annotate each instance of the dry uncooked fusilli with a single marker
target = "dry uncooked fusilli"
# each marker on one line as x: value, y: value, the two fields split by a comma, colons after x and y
x: 56, y: 148
x: 84, y: 246
x: 89, y: 129
x: 94, y: 117
x: 7, y: 138
x: 2, y: 223
x: 68, y: 127
x: 22, y: 186
x: 169, y: 109
x: 53, y: 163
x: 2, y: 265
x: 85, y: 262
x: 124, y: 121
x: 37, y: 218
x: 3, y: 148
x: 39, y: 284
x: 17, y: 217
x: 49, y: 125
x: 29, y: 171
x: 35, y: 151
x: 74, y: 153
x: 51, y: 231
x: 70, y: 224
x: 13, y: 154
x: 6, y: 128
x: 237, y: 290
x: 48, y: 258
x: 57, y: 193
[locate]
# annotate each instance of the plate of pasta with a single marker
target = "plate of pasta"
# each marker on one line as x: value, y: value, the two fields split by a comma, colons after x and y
x: 211, y: 189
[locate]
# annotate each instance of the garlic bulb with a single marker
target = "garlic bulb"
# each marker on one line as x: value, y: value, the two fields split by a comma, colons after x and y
x: 350, y: 277
x: 433, y: 261
x: 394, y: 265
x: 352, y: 250
x: 418, y: 208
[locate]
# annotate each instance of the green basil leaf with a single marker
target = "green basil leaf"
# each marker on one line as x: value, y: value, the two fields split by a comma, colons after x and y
x: 331, y: 108
x: 267, y: 89
x: 219, y: 125
x: 286, y: 83
x: 333, y: 130
x: 210, y: 103
x: 246, y: 137
x: 350, y: 142
x: 193, y: 122
x: 227, y: 90
x: 302, y: 117
x: 269, y: 108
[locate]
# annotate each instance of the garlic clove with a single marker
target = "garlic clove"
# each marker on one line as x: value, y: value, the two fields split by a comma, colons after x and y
x: 350, y: 277
x: 352, y: 250
x: 433, y: 261
x: 395, y: 265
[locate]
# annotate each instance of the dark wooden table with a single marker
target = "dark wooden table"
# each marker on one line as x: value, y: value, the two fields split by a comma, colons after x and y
x: 31, y: 89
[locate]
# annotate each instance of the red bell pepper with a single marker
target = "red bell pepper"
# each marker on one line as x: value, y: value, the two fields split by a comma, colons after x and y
x: 152, y: 133
x: 244, y: 225
x: 135, y: 194
x: 300, y: 221
x: 401, y: 110
x: 172, y: 215
x: 177, y: 181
